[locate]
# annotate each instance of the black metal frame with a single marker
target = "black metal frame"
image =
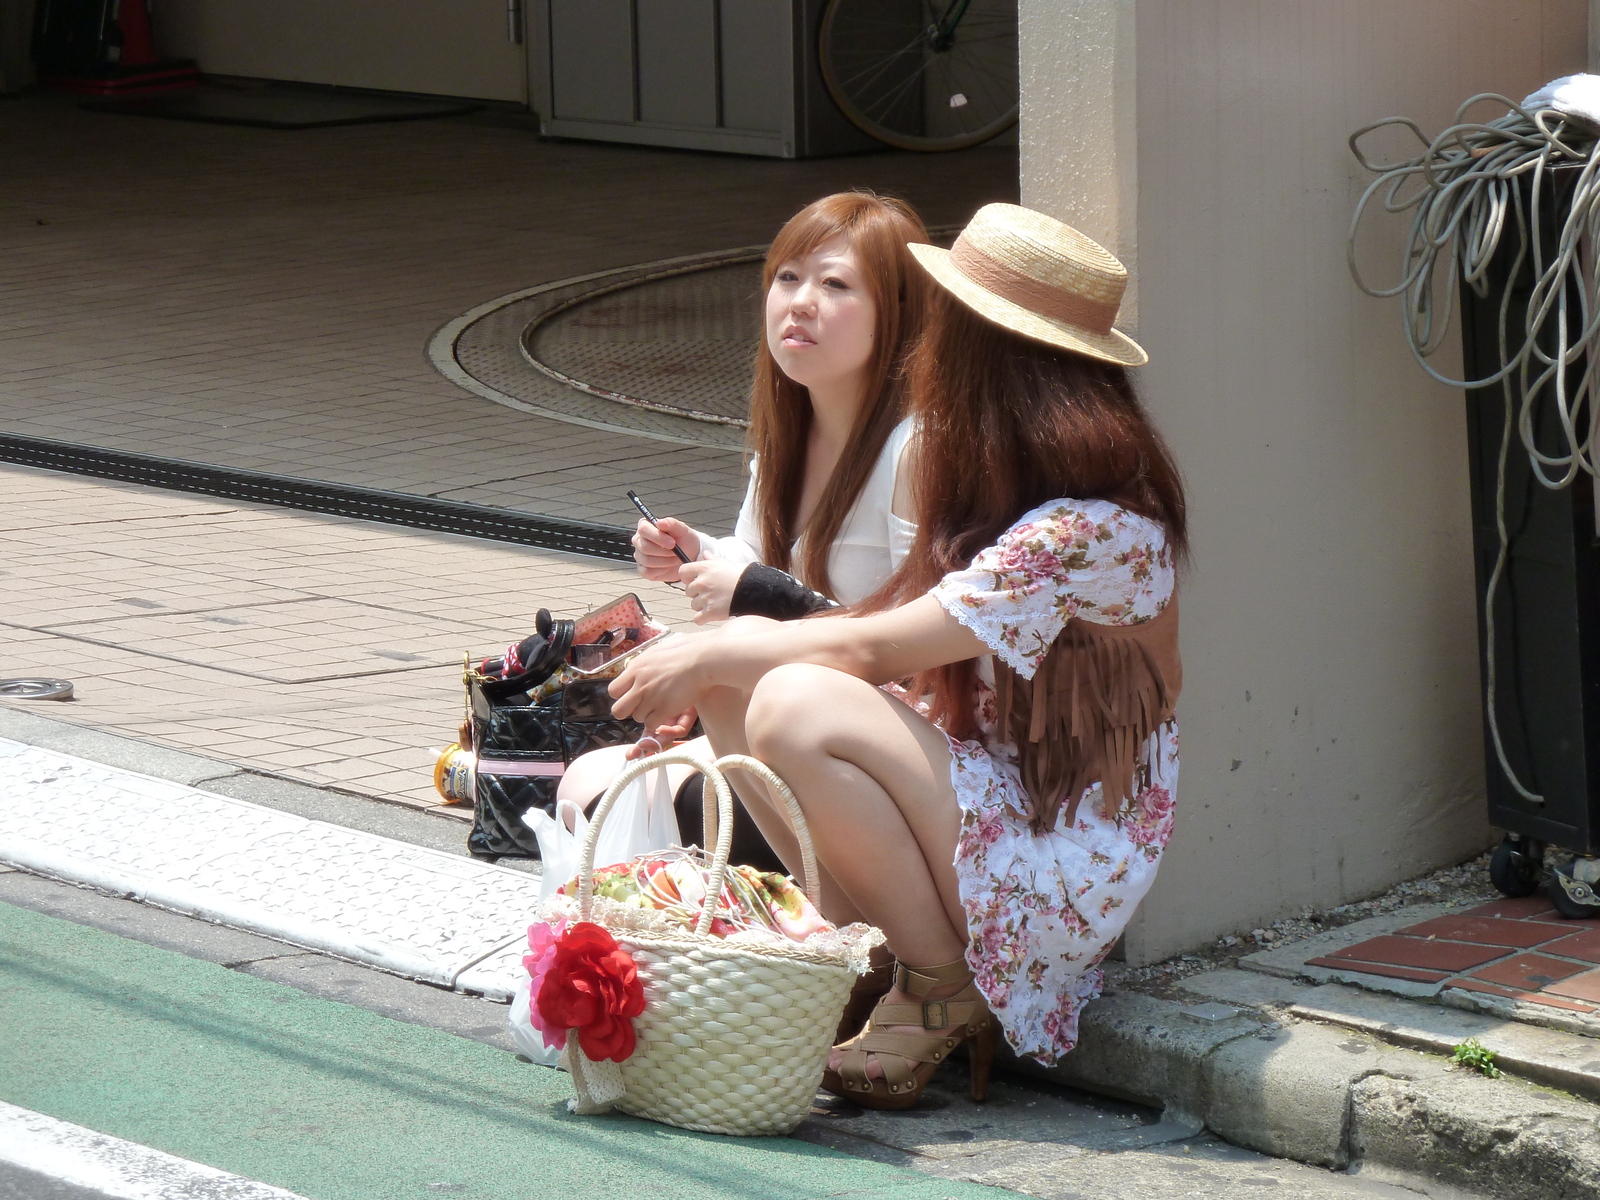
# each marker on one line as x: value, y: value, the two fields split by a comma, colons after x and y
x: 1547, y: 608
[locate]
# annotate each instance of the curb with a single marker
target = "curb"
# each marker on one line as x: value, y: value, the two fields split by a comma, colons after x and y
x: 1335, y: 1098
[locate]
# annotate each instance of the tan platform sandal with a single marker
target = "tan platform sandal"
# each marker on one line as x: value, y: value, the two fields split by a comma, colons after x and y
x: 864, y: 996
x: 908, y: 1060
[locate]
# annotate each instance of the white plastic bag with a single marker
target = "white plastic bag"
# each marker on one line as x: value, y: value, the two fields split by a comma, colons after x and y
x: 641, y: 822
x: 528, y: 1039
x: 559, y: 846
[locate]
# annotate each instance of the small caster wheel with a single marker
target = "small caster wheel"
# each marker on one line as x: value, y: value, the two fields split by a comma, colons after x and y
x: 1574, y: 898
x: 1514, y: 867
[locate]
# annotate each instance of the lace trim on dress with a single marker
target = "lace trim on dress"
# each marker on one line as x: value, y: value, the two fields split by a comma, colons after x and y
x: 988, y: 630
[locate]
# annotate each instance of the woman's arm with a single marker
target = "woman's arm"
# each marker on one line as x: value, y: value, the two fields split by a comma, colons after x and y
x: 659, y: 685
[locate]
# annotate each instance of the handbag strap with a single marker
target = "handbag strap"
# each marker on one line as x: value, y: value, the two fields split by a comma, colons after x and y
x: 714, y: 773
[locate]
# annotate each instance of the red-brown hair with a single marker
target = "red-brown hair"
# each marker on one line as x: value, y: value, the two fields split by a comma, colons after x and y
x: 1005, y: 424
x: 877, y: 228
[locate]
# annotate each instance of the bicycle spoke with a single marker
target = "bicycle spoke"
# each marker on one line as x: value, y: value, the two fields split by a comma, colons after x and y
x: 894, y: 98
x: 962, y: 51
x: 886, y: 63
x: 861, y: 76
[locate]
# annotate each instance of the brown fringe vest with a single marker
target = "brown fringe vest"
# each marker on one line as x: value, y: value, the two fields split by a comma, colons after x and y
x: 1088, y: 711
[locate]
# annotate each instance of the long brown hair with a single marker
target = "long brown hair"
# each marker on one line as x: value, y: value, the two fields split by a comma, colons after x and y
x: 1005, y: 424
x: 877, y: 228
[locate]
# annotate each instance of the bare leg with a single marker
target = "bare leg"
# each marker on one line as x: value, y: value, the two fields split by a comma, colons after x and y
x: 592, y: 773
x: 873, y: 779
x: 722, y: 714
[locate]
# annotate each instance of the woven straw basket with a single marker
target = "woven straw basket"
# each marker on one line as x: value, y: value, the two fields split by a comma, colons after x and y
x: 734, y: 1037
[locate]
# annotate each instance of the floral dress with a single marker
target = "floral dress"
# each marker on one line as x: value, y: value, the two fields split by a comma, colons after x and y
x: 1043, y: 910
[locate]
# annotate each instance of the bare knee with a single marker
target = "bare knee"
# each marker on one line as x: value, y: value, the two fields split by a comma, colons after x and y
x: 785, y: 707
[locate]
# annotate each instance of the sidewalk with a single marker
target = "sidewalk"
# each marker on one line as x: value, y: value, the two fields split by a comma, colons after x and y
x: 315, y: 648
x: 1311, y: 1050
x: 210, y: 664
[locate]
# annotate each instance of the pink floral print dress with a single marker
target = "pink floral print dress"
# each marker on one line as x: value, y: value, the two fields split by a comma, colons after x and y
x: 1043, y: 910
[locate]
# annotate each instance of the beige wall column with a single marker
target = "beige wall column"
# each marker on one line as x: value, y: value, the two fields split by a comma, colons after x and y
x: 1331, y: 714
x: 1078, y: 125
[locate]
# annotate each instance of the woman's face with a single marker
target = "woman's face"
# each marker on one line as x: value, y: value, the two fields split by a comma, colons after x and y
x: 822, y: 319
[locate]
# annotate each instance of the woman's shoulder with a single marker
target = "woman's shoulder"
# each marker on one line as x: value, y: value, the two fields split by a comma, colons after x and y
x: 899, y: 437
x: 1113, y: 564
x: 1084, y: 526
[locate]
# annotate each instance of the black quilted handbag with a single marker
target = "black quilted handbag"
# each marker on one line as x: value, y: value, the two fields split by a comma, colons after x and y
x: 524, y: 740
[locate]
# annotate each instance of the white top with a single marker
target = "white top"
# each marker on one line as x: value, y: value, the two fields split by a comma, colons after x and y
x: 871, y: 542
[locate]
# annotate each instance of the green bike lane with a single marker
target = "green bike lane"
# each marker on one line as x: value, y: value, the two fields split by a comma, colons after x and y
x: 338, y: 1103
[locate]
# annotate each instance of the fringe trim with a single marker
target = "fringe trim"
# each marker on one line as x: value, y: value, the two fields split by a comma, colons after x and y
x: 1088, y: 711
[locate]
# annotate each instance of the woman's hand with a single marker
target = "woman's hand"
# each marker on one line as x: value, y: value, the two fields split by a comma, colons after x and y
x: 652, y: 548
x: 709, y: 586
x: 663, y: 736
x: 661, y: 686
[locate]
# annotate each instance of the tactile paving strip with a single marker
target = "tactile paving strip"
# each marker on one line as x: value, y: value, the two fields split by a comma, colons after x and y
x: 403, y: 908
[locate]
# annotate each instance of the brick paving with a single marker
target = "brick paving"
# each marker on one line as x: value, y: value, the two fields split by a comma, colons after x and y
x: 261, y: 299
x: 1516, y: 949
x: 318, y: 648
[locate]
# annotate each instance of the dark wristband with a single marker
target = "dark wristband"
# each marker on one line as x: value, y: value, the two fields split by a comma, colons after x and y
x: 764, y: 591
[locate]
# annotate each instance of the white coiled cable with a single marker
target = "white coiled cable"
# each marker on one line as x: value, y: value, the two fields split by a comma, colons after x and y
x: 1467, y: 198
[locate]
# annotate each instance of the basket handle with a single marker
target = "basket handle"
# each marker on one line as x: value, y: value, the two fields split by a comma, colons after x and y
x: 713, y: 771
x: 811, y: 881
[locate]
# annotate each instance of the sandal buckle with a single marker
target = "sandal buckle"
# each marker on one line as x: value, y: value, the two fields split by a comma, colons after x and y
x: 927, y: 1014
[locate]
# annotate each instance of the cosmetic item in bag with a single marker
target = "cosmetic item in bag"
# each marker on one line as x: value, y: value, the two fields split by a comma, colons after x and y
x: 523, y: 739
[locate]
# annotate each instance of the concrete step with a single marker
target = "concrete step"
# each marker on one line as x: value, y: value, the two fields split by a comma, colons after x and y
x: 1353, y: 1082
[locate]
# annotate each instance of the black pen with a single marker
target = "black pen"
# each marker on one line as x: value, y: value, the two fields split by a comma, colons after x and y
x: 651, y: 517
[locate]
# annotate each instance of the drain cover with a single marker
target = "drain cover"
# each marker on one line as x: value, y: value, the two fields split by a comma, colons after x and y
x: 682, y: 345
x: 36, y: 689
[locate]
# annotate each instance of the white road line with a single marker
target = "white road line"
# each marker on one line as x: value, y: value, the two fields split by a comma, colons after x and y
x: 115, y: 1169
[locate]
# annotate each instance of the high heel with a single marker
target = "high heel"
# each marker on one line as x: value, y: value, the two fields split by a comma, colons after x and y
x: 980, y: 1057
x: 908, y: 1060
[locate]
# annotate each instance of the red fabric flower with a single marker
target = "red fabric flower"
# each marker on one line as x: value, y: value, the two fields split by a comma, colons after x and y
x: 593, y: 987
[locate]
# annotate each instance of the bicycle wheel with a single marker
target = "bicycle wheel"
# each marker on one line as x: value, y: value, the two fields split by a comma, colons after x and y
x: 923, y: 74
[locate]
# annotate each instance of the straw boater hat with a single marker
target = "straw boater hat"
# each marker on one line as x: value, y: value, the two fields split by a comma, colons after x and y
x: 1037, y: 277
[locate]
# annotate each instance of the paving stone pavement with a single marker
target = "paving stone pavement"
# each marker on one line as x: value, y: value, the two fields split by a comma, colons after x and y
x: 322, y: 649
x: 261, y: 299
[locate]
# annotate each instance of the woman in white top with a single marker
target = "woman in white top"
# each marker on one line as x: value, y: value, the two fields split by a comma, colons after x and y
x: 866, y: 549
x: 844, y: 301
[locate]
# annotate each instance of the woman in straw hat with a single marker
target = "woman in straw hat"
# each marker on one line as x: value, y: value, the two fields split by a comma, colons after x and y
x: 999, y: 809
